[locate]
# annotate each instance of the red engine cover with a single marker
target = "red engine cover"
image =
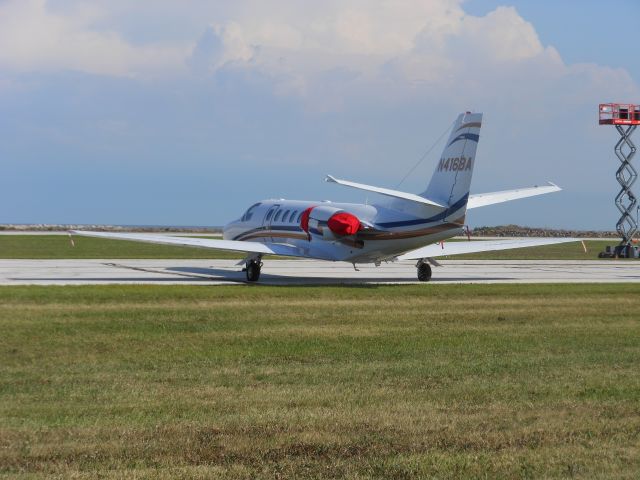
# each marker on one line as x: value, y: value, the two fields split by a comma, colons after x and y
x: 304, y: 219
x: 343, y: 223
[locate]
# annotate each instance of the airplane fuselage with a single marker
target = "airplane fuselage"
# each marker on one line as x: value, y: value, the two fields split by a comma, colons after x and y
x: 383, y: 232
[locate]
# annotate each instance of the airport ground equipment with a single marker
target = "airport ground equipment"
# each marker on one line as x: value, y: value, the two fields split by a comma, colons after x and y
x: 626, y: 118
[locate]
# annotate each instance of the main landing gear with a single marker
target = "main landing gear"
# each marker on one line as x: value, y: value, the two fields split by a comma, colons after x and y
x: 424, y: 270
x: 252, y: 269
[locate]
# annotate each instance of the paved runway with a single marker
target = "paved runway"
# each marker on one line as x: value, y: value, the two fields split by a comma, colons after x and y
x: 305, y: 272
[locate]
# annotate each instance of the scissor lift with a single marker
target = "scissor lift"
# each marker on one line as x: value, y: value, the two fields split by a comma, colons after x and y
x: 626, y: 118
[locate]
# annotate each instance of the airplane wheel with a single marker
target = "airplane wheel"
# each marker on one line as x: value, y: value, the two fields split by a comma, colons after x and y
x: 424, y: 272
x: 253, y: 271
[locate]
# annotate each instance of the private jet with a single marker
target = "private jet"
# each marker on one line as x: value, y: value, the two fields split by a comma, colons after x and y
x: 402, y: 226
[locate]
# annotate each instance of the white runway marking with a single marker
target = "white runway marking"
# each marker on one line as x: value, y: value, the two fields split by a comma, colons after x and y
x: 306, y: 272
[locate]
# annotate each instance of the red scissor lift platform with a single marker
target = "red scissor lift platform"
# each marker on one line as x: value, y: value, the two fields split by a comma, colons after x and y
x: 619, y: 114
x: 626, y: 118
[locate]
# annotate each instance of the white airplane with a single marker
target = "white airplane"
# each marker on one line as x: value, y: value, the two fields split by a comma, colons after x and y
x: 405, y: 226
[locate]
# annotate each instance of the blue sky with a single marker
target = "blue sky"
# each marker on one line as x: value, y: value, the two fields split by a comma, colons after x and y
x: 185, y: 113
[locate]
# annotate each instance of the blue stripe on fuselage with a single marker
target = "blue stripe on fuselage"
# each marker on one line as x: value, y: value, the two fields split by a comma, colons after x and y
x: 282, y: 228
x: 419, y: 221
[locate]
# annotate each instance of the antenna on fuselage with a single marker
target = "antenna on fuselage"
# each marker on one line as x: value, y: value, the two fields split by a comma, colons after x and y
x: 424, y: 155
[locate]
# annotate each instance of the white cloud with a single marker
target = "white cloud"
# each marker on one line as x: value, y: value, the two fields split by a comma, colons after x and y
x: 221, y: 46
x: 32, y: 38
x: 329, y: 55
x: 324, y: 53
x: 501, y: 36
x: 398, y: 47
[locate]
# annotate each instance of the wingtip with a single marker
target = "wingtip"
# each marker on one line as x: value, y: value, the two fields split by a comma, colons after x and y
x: 330, y: 178
x: 553, y: 185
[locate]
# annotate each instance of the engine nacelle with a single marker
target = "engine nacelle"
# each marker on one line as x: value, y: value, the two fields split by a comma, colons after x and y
x: 329, y: 222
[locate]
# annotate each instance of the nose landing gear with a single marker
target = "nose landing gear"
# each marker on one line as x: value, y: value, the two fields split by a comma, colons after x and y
x: 424, y: 270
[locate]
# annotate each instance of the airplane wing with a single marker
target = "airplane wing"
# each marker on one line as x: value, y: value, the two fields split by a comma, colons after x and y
x: 483, y: 199
x: 458, y: 248
x: 233, y: 245
x: 412, y: 197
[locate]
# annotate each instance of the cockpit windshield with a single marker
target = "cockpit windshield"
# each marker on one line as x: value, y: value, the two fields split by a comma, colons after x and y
x: 249, y: 213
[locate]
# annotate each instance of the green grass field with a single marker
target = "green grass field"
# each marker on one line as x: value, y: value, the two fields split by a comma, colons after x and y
x: 465, y: 381
x: 562, y: 251
x: 58, y: 246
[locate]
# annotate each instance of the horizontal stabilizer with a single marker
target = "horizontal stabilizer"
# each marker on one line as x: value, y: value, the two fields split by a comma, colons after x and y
x: 484, y: 199
x: 412, y: 197
x: 233, y: 245
x: 475, y: 246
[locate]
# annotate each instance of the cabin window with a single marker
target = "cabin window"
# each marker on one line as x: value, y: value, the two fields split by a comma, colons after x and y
x: 293, y: 216
x: 269, y: 214
x: 285, y: 215
x: 275, y: 219
x: 299, y: 217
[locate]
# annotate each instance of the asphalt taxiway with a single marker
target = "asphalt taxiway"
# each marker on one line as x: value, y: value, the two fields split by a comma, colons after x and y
x: 309, y: 272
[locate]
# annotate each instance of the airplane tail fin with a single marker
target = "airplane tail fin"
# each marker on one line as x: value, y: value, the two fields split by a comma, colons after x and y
x: 451, y: 180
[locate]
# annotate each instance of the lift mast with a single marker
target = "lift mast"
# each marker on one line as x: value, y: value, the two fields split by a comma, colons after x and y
x: 626, y: 118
